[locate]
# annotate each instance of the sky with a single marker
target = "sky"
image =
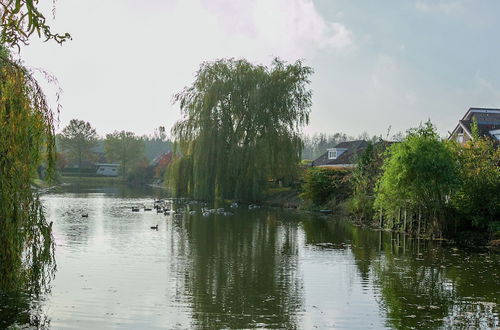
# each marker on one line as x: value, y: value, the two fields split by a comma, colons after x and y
x: 379, y: 66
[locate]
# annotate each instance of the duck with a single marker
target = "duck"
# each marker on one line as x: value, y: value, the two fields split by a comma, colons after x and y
x: 85, y: 215
x: 154, y: 227
x: 135, y: 209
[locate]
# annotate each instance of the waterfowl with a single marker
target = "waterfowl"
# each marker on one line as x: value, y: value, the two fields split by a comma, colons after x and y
x: 85, y: 215
x: 154, y: 227
x: 135, y: 209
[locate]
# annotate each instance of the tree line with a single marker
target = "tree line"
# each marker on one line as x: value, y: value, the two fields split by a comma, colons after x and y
x: 80, y: 146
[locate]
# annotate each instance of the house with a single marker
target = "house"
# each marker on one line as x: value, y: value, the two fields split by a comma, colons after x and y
x: 488, y: 124
x: 161, y: 162
x: 342, y: 156
x: 107, y: 169
x: 163, y: 158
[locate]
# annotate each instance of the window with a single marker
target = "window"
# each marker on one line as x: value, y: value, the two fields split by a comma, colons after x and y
x: 332, y: 154
x: 101, y: 169
x: 460, y: 138
x: 113, y: 169
x: 496, y: 134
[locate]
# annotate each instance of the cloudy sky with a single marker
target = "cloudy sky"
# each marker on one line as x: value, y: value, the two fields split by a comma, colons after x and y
x: 377, y: 63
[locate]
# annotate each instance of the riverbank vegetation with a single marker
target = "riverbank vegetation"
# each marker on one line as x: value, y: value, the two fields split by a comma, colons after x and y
x: 27, y: 135
x: 424, y: 186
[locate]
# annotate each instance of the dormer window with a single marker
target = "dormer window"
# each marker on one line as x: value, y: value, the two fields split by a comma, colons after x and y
x: 335, y: 153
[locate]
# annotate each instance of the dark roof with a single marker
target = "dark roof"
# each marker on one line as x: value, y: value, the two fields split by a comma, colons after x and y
x: 487, y: 120
x: 354, y: 148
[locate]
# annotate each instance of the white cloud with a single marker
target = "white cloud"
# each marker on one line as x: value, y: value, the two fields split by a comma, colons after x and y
x: 127, y: 59
x: 293, y: 28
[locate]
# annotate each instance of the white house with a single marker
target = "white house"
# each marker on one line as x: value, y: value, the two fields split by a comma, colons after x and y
x: 108, y: 169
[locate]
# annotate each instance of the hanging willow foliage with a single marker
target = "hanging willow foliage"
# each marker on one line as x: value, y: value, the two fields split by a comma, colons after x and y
x: 22, y: 18
x: 240, y: 127
x: 27, y: 140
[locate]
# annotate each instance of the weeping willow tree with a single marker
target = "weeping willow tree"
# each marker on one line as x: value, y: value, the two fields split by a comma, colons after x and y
x: 27, y: 135
x: 240, y: 127
x: 22, y: 18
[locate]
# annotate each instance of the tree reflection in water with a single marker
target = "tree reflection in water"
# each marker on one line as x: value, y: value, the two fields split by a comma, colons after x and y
x: 23, y: 287
x: 244, y: 272
x: 422, y: 284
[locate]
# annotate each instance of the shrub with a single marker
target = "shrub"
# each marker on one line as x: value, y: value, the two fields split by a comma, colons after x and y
x: 418, y: 176
x: 325, y: 184
x: 477, y: 199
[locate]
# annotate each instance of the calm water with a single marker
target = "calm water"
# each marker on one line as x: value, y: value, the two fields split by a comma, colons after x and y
x: 263, y: 268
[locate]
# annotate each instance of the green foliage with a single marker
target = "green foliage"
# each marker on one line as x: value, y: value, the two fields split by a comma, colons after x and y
x: 142, y: 173
x: 27, y: 135
x: 22, y: 18
x: 124, y: 147
x: 364, y: 178
x: 322, y: 185
x: 478, y: 199
x: 418, y: 176
x: 240, y: 127
x: 78, y: 139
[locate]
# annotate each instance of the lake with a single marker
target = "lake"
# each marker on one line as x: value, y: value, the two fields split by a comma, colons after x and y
x: 259, y: 268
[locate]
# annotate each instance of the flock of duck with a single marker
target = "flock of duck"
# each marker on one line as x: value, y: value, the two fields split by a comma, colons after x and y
x: 166, y: 207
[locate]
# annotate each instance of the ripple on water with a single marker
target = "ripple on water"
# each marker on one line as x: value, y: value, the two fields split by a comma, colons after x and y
x: 258, y: 268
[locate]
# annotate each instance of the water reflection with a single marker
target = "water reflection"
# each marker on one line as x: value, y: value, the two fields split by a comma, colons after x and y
x: 243, y: 270
x: 422, y: 284
x: 260, y: 268
x: 19, y: 309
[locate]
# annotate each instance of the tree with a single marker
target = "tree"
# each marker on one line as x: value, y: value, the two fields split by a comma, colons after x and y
x: 364, y: 178
x: 418, y: 177
x: 78, y: 138
x: 124, y: 147
x: 22, y: 18
x: 477, y: 199
x: 27, y: 135
x: 240, y: 127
